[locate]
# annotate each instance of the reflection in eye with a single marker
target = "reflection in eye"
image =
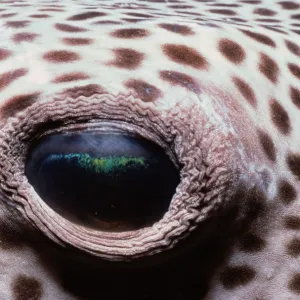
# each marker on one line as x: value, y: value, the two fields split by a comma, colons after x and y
x: 108, y: 181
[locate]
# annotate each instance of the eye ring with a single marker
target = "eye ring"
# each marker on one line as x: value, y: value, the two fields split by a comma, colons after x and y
x: 198, y: 195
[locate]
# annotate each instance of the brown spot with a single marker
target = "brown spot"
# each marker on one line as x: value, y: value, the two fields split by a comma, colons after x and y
x: 295, y: 96
x: 245, y: 90
x: 286, y: 192
x: 226, y: 12
x: 77, y: 41
x: 127, y: 58
x: 293, y: 161
x: 139, y: 15
x: 11, y: 237
x: 289, y: 5
x: 296, y: 17
x: 292, y: 222
x: 269, y: 27
x: 17, y: 24
x: 294, y: 283
x: 4, y: 54
x: 51, y: 10
x: 260, y: 38
x: 268, y: 67
x: 39, y: 16
x: 252, y: 243
x: 25, y: 288
x: 264, y: 12
x: 232, y: 277
x: 130, y: 33
x: 144, y: 90
x: 295, y: 70
x: 294, y: 48
x: 86, y: 91
x: 69, y: 28
x: 232, y: 51
x: 74, y: 76
x: 280, y: 117
x: 181, y: 79
x: 107, y: 22
x: 24, y: 37
x: 176, y: 28
x: 7, y: 15
x: 87, y: 15
x: 267, y: 145
x: 61, y: 56
x: 185, y: 55
x: 7, y: 78
x: 293, y: 247
x: 18, y: 103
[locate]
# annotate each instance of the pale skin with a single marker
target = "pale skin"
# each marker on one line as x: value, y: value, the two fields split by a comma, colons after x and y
x: 216, y: 85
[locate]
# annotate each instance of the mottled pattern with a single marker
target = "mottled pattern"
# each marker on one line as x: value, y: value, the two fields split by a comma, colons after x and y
x: 217, y: 84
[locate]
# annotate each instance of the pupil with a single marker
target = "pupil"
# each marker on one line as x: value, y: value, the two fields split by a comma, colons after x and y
x: 107, y: 181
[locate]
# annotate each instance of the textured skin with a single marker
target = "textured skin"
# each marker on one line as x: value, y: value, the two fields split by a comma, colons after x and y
x: 221, y: 80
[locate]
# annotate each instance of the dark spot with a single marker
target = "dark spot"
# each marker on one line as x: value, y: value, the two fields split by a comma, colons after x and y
x: 86, y: 91
x: 267, y: 145
x: 139, y: 15
x: 61, y: 56
x: 293, y: 247
x: 270, y: 27
x: 7, y: 15
x: 25, y: 288
x: 289, y: 5
x: 268, y: 67
x: 86, y: 15
x: 264, y: 12
x: 181, y: 79
x: 17, y: 24
x: 280, y: 117
x: 51, y: 10
x: 232, y: 277
x: 39, y: 16
x: 245, y: 90
x: 24, y: 37
x: 295, y: 96
x: 18, y: 103
x: 292, y: 222
x: 294, y: 48
x: 77, y: 41
x: 295, y: 70
x: 7, y: 78
x: 293, y: 161
x: 107, y: 22
x: 226, y: 12
x: 4, y: 54
x: 251, y: 243
x: 74, y: 76
x: 295, y: 17
x: 144, y: 90
x: 130, y: 33
x: 176, y: 28
x: 232, y: 51
x: 286, y: 192
x: 127, y: 58
x: 296, y: 31
x: 251, y: 1
x: 294, y: 284
x: 69, y: 28
x: 260, y: 38
x: 185, y: 55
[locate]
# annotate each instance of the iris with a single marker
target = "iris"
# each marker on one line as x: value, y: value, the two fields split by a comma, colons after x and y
x: 107, y: 181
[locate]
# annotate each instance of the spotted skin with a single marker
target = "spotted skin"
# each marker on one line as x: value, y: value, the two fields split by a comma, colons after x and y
x: 219, y: 80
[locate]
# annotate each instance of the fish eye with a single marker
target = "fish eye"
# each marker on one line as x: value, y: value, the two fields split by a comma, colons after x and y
x: 110, y: 181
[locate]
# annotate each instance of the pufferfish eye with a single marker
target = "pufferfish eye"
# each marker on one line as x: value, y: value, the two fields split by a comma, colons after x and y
x: 103, y: 180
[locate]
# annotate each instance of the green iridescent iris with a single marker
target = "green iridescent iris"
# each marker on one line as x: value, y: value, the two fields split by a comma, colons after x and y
x: 106, y: 165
